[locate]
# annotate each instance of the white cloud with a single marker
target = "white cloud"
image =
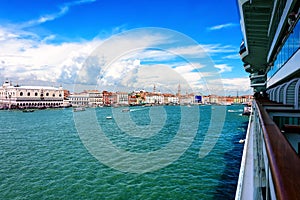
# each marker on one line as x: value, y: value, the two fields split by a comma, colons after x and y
x: 232, y: 56
x: 49, y: 17
x: 194, y: 50
x: 223, y: 68
x: 242, y: 85
x: 29, y: 58
x: 218, y: 48
x: 221, y: 26
x: 126, y: 61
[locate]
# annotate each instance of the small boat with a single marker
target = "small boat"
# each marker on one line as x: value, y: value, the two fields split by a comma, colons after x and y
x: 28, y: 110
x: 247, y: 110
x: 126, y: 110
x: 109, y: 117
x: 242, y: 141
x: 77, y: 109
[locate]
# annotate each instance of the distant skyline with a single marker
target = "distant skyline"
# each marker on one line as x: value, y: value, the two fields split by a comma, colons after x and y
x: 54, y: 42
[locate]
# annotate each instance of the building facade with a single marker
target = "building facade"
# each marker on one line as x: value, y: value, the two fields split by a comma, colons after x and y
x: 16, y: 96
x: 89, y: 98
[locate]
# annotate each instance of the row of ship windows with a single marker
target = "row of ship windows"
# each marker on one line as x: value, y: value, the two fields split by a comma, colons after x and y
x: 291, y: 45
x: 36, y: 94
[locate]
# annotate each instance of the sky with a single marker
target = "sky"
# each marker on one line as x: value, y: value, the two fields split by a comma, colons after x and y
x: 123, y: 45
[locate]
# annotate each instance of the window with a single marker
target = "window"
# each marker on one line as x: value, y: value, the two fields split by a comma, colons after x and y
x: 53, y: 95
x: 47, y: 94
x: 291, y: 45
x: 28, y: 93
x: 21, y: 93
x: 36, y: 94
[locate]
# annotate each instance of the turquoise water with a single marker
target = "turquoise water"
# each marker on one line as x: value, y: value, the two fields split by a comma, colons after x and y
x: 43, y: 157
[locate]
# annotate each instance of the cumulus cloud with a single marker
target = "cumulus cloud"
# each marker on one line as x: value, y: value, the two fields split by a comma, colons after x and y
x: 25, y: 58
x: 237, y: 84
x: 134, y: 60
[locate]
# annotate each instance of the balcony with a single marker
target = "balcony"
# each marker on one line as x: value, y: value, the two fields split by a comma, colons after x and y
x: 243, y: 51
x: 257, y: 76
x: 258, y: 81
x: 247, y: 67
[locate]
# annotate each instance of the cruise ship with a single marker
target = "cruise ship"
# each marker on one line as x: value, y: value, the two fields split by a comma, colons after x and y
x: 270, y: 167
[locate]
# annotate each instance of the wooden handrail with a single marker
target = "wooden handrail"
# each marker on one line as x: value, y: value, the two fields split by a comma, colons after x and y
x: 283, y: 160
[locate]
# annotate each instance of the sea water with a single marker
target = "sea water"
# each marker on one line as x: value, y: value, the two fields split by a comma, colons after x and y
x: 42, y: 156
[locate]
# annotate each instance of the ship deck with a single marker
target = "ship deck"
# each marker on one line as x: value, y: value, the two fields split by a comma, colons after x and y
x: 270, y: 164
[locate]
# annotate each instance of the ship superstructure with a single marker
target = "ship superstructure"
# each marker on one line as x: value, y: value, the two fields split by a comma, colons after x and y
x: 270, y: 167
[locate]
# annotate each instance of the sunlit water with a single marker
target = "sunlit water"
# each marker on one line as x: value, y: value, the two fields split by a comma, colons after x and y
x: 42, y: 157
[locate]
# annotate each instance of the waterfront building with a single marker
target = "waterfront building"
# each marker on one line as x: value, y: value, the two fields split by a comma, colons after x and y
x: 198, y: 99
x: 87, y: 98
x: 242, y: 99
x: 16, y: 96
x: 109, y: 98
x: 170, y: 99
x: 137, y: 97
x: 95, y: 98
x: 270, y: 50
x: 122, y: 98
x: 187, y: 99
x: 132, y: 99
x: 79, y: 99
x: 154, y: 98
x: 205, y: 100
x: 214, y: 99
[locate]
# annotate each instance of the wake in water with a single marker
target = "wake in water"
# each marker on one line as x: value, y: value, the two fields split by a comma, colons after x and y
x: 234, y: 111
x: 138, y: 109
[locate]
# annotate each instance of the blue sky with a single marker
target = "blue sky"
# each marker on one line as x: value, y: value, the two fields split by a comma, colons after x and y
x: 50, y: 41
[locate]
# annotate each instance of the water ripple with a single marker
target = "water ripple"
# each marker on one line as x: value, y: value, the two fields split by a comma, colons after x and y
x: 42, y: 157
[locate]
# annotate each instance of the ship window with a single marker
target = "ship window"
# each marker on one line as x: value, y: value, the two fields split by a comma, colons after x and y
x: 290, y: 46
x: 21, y: 93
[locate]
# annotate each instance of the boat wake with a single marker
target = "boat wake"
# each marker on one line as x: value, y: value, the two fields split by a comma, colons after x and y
x: 234, y: 111
x: 138, y: 109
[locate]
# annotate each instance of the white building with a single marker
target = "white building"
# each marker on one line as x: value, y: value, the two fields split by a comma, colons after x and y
x: 187, y: 99
x: 30, y: 96
x: 154, y: 98
x: 95, y: 98
x: 173, y: 100
x: 122, y: 98
x: 90, y: 98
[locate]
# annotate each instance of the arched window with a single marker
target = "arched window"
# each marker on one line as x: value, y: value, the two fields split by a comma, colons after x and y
x: 28, y: 93
x: 36, y: 94
x: 21, y: 93
x: 53, y: 95
x: 47, y: 94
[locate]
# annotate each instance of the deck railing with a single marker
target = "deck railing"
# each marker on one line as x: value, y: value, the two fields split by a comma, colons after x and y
x: 279, y: 164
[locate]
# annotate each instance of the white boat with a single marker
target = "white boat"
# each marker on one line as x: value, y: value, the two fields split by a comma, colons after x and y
x: 78, y: 109
x: 270, y: 167
x: 109, y: 117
